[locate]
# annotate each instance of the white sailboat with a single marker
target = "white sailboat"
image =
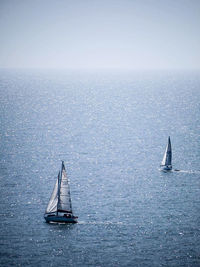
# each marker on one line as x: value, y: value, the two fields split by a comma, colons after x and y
x: 59, y: 208
x: 166, y: 164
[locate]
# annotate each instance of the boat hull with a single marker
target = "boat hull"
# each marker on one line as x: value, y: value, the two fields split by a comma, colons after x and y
x: 166, y: 168
x: 60, y: 219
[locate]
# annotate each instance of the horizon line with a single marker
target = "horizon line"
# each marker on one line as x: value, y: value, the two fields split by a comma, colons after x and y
x: 98, y: 68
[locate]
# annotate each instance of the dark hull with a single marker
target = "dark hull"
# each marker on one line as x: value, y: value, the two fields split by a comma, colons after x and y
x: 60, y: 219
x: 166, y: 168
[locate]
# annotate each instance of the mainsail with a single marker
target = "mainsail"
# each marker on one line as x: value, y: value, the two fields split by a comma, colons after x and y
x: 60, y: 200
x: 167, y: 159
x: 64, y: 198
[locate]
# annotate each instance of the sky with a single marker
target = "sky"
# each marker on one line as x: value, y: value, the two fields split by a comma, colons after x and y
x: 85, y: 34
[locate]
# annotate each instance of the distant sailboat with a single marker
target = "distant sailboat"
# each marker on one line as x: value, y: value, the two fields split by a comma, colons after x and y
x: 59, y: 208
x: 166, y: 163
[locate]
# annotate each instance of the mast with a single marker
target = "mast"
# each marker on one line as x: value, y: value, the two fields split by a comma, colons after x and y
x: 58, y: 193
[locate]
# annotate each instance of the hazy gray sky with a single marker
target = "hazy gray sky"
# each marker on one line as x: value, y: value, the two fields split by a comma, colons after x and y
x: 100, y: 33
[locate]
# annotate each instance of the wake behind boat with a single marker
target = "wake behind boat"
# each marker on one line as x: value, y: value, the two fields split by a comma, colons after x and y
x: 166, y: 164
x: 59, y: 208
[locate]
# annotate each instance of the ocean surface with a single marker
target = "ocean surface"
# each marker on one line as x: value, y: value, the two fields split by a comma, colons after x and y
x: 111, y: 129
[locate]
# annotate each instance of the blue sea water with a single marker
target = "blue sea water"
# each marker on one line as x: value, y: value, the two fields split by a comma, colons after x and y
x: 111, y: 129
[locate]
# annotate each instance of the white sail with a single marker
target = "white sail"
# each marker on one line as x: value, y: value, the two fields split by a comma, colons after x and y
x: 64, y: 199
x: 59, y: 209
x: 167, y: 158
x: 53, y: 202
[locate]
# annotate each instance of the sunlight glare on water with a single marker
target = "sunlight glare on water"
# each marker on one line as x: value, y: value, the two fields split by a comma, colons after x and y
x: 111, y: 130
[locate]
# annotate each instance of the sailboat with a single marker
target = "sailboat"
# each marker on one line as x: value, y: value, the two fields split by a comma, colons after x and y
x: 59, y: 208
x: 166, y: 164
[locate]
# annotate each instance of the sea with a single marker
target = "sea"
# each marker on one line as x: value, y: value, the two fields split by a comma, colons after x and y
x: 111, y: 128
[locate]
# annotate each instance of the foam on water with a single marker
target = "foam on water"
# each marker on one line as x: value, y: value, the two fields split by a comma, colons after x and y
x: 181, y: 171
